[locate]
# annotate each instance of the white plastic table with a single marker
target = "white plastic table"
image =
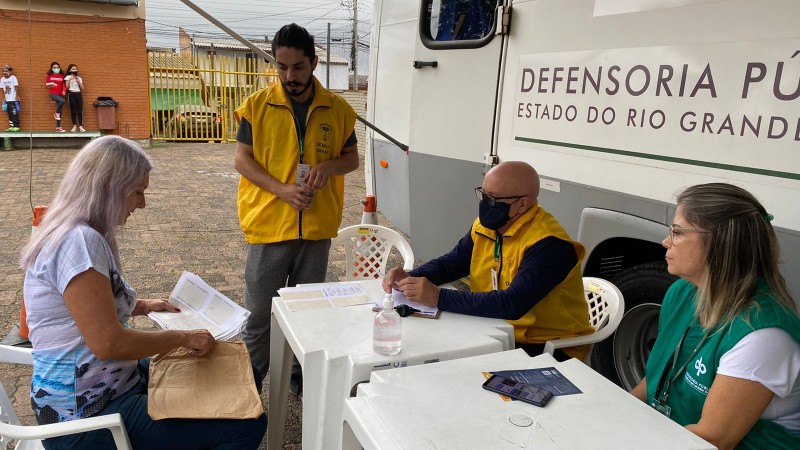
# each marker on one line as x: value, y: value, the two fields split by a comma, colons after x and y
x: 334, y: 347
x: 443, y: 406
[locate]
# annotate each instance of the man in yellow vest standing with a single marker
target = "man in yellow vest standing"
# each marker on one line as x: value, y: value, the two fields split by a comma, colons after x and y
x: 523, y: 266
x: 296, y: 141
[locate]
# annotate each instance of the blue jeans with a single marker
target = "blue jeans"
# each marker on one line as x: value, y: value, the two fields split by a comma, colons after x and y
x: 167, y: 434
x: 13, y: 113
x: 59, y: 106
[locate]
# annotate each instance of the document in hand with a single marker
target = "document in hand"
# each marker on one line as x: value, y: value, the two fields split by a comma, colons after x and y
x: 202, y: 307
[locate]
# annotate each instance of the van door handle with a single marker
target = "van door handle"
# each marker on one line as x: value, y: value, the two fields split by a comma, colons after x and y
x: 421, y: 64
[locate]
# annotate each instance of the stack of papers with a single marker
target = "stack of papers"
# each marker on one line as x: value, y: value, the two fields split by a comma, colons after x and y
x: 324, y: 295
x: 202, y: 307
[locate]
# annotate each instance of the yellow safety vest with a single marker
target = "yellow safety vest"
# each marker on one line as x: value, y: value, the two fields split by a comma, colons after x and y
x: 263, y: 216
x: 563, y: 312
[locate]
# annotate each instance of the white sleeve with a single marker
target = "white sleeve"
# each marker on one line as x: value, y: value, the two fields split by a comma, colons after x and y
x: 769, y: 356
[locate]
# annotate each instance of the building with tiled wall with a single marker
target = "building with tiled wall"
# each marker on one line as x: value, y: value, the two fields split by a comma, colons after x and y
x: 106, y: 41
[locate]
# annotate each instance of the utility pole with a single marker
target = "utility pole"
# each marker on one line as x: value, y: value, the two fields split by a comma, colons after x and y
x: 328, y: 59
x: 355, y: 44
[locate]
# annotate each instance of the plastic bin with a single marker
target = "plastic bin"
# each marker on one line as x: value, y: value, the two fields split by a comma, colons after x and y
x: 106, y: 113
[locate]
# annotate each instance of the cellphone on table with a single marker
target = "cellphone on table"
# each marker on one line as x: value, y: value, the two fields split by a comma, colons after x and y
x: 527, y: 393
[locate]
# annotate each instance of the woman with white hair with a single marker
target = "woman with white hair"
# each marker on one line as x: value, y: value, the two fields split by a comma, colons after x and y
x: 86, y: 361
x: 727, y: 358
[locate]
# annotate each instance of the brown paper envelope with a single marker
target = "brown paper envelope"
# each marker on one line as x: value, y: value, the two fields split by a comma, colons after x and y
x: 218, y: 385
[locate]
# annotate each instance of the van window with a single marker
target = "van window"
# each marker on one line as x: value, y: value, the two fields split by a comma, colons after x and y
x: 457, y: 23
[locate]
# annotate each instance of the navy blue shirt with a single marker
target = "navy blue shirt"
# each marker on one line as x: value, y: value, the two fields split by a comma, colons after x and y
x: 544, y: 265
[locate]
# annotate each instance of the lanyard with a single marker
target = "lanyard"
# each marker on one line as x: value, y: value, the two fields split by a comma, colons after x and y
x: 300, y: 136
x: 662, y: 393
x: 498, y: 263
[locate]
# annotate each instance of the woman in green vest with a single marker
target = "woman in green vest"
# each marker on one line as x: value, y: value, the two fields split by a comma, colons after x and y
x: 727, y: 358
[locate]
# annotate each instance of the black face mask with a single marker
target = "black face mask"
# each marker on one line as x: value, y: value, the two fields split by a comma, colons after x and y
x: 494, y: 217
x: 75, y: 74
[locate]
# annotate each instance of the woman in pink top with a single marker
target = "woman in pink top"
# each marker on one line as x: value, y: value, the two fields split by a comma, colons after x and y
x: 55, y: 82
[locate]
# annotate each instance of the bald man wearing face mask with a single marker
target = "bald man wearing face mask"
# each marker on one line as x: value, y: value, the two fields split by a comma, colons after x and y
x: 523, y: 266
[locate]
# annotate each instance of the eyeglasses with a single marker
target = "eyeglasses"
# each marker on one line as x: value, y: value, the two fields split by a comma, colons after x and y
x: 675, y: 233
x: 481, y: 194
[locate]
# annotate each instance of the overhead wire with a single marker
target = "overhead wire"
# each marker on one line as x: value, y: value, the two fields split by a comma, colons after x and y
x: 338, y: 8
x: 160, y: 18
x: 30, y: 108
x: 279, y: 14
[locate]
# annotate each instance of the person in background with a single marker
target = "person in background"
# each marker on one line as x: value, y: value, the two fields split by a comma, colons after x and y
x: 296, y: 140
x: 57, y: 89
x: 75, y: 95
x: 523, y: 266
x: 10, y: 87
x: 726, y: 360
x: 86, y: 361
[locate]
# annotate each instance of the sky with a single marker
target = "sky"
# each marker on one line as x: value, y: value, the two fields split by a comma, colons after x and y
x: 256, y: 18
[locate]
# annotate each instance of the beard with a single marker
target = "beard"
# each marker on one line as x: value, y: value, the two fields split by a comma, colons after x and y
x: 297, y: 89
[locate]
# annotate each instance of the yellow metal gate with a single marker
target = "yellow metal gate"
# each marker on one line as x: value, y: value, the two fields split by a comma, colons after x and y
x: 195, y: 101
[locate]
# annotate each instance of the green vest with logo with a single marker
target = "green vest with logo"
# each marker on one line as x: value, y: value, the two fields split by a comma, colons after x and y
x: 688, y: 392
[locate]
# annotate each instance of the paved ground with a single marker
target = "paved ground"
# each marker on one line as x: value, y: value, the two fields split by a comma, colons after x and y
x: 189, y: 224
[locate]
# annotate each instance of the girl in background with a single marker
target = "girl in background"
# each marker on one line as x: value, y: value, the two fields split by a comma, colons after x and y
x: 75, y: 88
x: 55, y: 82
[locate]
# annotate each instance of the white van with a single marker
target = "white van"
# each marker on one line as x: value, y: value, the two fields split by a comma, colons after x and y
x: 619, y: 104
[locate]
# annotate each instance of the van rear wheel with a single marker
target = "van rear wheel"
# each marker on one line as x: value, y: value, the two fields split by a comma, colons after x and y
x: 621, y: 358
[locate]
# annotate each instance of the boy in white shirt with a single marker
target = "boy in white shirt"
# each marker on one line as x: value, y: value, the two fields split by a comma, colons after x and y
x: 9, y: 86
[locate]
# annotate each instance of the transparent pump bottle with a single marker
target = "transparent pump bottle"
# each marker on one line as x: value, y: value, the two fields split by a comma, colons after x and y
x: 387, y: 327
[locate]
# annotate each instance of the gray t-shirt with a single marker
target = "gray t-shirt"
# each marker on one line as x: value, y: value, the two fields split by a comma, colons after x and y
x: 69, y: 382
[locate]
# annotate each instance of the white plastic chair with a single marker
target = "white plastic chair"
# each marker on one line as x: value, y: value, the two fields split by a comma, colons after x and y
x: 29, y: 437
x: 606, y: 307
x: 367, y: 249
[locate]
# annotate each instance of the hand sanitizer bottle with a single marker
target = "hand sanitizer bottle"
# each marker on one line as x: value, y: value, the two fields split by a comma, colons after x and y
x: 387, y: 329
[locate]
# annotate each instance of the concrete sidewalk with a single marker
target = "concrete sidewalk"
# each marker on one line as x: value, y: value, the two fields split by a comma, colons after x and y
x: 190, y: 223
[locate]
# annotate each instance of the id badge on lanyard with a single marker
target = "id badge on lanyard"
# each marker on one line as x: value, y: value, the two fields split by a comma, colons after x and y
x: 498, y: 244
x: 300, y: 174
x: 302, y: 169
